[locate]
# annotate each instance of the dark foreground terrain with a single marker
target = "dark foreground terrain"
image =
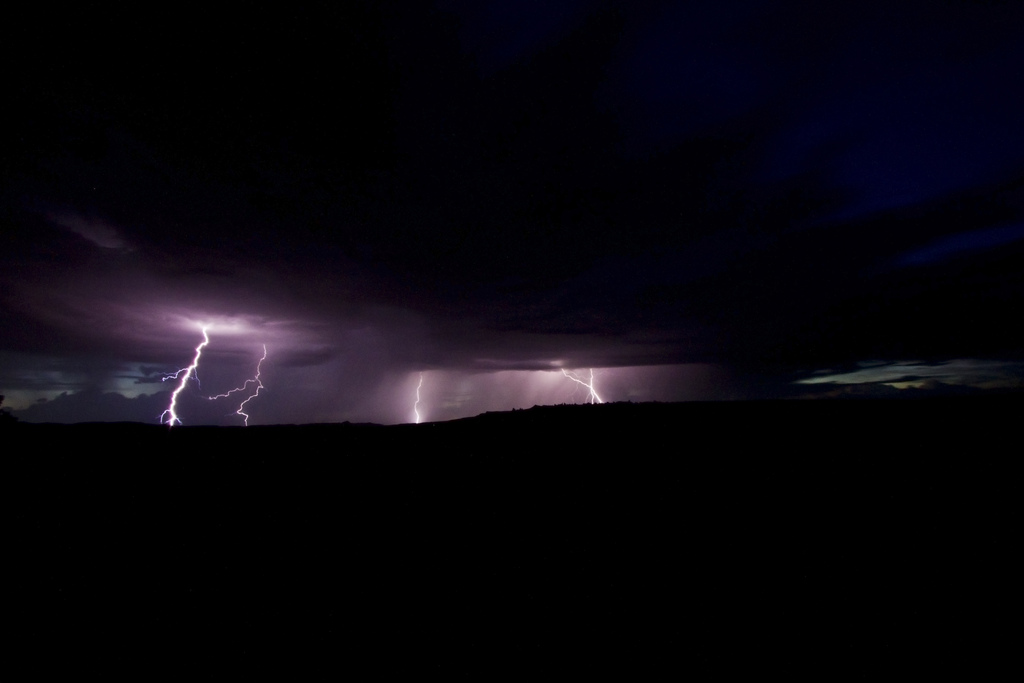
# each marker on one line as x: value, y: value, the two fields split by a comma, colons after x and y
x: 816, y: 540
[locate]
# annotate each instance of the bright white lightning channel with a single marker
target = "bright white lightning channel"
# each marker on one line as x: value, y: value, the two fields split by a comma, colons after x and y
x: 255, y: 381
x: 592, y: 397
x: 184, y: 374
x: 416, y: 405
x: 191, y: 372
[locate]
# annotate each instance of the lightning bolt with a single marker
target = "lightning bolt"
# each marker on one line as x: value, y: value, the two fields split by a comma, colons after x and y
x: 183, y: 374
x: 170, y: 416
x: 593, y: 397
x: 415, y: 406
x: 255, y: 380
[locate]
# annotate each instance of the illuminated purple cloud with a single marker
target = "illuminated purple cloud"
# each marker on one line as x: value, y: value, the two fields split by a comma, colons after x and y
x: 694, y: 202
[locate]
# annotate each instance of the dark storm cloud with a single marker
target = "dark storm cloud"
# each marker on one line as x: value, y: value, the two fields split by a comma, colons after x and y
x: 501, y: 34
x: 960, y: 372
x: 91, y: 405
x: 376, y: 189
x: 963, y: 244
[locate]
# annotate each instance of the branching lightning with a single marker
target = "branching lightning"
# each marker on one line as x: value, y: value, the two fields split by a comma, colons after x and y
x: 184, y: 374
x: 170, y: 416
x: 416, y: 405
x: 593, y: 397
x: 255, y: 381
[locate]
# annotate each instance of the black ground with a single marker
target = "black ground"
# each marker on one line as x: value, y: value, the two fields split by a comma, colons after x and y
x: 809, y: 539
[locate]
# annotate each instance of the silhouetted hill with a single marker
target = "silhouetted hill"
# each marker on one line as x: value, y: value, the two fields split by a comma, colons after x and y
x: 835, y: 539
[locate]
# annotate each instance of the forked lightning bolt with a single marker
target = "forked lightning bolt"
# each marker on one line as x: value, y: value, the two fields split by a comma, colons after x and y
x: 255, y: 381
x: 170, y: 416
x: 593, y: 397
x: 184, y: 374
x: 416, y: 405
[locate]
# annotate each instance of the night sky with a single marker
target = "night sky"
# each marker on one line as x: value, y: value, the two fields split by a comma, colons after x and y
x: 698, y: 201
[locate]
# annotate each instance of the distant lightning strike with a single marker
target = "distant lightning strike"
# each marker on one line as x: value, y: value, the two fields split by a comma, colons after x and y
x: 255, y: 380
x: 191, y: 372
x: 593, y: 397
x: 416, y: 405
